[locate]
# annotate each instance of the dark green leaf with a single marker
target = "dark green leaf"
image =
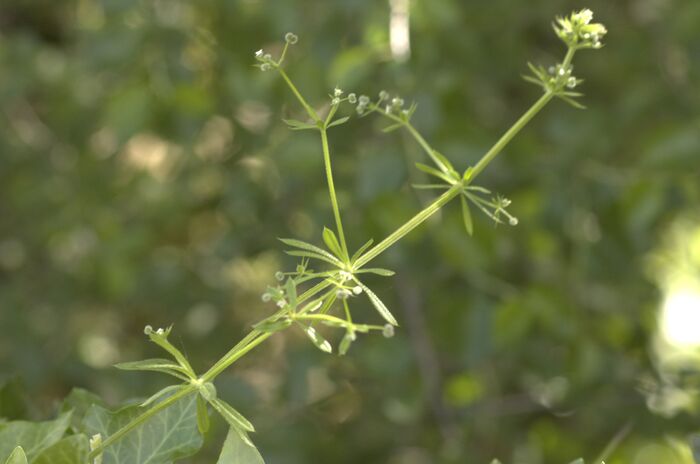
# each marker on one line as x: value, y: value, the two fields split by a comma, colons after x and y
x: 70, y: 450
x: 168, y: 435
x: 33, y: 437
x: 308, y: 254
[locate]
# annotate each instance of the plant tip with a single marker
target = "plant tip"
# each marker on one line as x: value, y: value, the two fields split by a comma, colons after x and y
x: 148, y: 330
x: 291, y: 38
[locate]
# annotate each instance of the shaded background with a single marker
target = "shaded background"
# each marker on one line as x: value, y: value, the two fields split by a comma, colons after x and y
x: 145, y: 175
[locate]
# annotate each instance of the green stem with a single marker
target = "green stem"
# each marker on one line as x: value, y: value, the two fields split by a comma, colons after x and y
x: 426, y: 146
x: 412, y: 223
x: 312, y: 114
x: 331, y: 191
x: 116, y: 436
x: 510, y: 133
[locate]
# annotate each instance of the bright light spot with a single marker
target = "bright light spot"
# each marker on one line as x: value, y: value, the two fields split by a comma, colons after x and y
x: 399, y: 30
x: 680, y: 317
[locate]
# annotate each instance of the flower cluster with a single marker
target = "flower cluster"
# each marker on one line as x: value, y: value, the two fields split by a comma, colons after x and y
x: 265, y: 60
x: 555, y: 79
x: 577, y: 30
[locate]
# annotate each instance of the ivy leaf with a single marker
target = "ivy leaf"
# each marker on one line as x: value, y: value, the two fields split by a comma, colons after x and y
x: 17, y: 457
x: 78, y: 402
x: 70, y: 450
x: 378, y: 304
x: 467, y: 216
x: 168, y: 435
x: 239, y: 450
x: 164, y: 366
x: 33, y: 437
x: 332, y: 243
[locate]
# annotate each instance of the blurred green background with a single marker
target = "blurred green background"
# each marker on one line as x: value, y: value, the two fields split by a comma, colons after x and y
x: 145, y: 175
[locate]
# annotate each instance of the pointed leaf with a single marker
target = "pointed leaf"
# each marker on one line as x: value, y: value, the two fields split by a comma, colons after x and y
x: 170, y: 389
x: 230, y: 415
x: 572, y: 102
x: 270, y: 325
x: 392, y: 127
x: 332, y: 243
x: 320, y: 342
x: 165, y: 366
x: 376, y: 270
x: 309, y: 247
x: 434, y: 172
x: 338, y: 122
x: 578, y: 461
x: 70, y: 450
x: 361, y: 250
x: 17, y: 457
x: 168, y: 435
x: 202, y: 415
x: 291, y: 289
x: 238, y: 449
x: 445, y: 162
x: 429, y: 186
x: 346, y: 342
x: 33, y: 437
x: 467, y: 216
x: 379, y: 306
x: 313, y: 306
x: 308, y: 254
x: 160, y: 338
x: 294, y: 124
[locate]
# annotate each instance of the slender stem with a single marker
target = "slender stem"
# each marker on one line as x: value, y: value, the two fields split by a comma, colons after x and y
x: 426, y: 146
x: 510, y: 133
x: 312, y: 114
x: 412, y: 223
x: 331, y: 191
x: 218, y: 368
x: 116, y: 436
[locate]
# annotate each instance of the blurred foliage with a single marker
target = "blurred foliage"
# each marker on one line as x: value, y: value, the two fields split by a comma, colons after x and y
x: 145, y: 175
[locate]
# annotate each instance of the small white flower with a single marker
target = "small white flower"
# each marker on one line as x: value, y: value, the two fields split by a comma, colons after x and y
x: 259, y: 53
x: 337, y: 92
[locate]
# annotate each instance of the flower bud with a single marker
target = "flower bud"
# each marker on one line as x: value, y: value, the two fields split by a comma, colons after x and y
x: 291, y: 38
x: 388, y: 331
x: 352, y: 98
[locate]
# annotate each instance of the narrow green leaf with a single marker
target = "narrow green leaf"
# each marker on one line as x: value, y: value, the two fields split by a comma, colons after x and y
x: 328, y: 303
x: 312, y: 306
x: 468, y: 173
x: 70, y: 450
x: 345, y: 343
x: 332, y: 243
x: 443, y: 159
x: 17, y: 457
x: 338, y: 122
x: 164, y: 366
x: 379, y: 306
x: 168, y: 435
x: 230, y: 415
x: 361, y: 250
x: 160, y: 393
x: 309, y: 247
x: 477, y: 188
x: 308, y: 254
x: 202, y: 415
x: 238, y: 449
x: 270, y: 325
x: 572, y: 102
x: 376, y: 270
x: 160, y: 338
x: 467, y: 216
x: 320, y: 342
x: 430, y: 186
x: 434, y: 172
x: 33, y: 437
x: 291, y: 289
x: 294, y: 124
x: 392, y: 127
